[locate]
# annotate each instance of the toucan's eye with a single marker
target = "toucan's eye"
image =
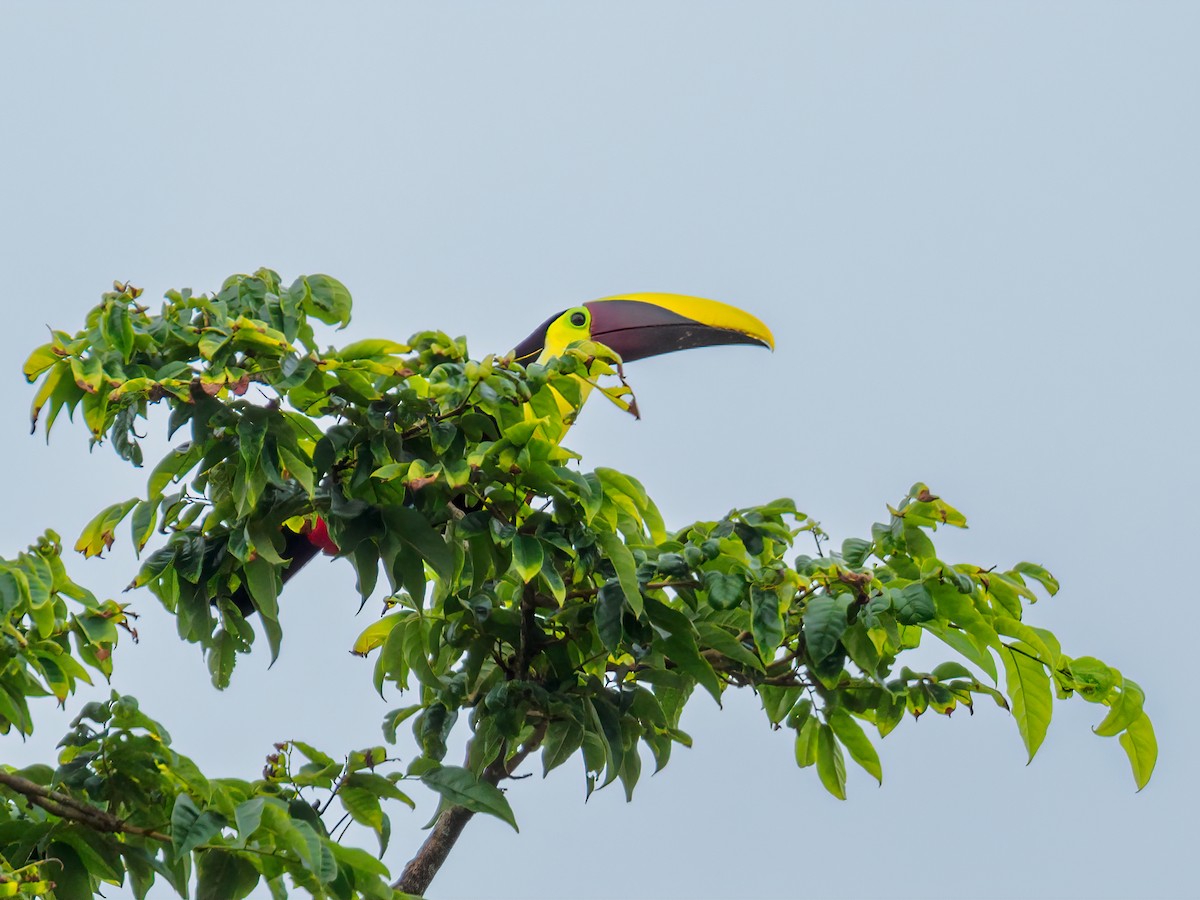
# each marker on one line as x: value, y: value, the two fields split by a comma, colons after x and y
x: 578, y: 319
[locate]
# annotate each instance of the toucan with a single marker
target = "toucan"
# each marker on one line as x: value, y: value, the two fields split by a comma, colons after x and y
x: 636, y: 326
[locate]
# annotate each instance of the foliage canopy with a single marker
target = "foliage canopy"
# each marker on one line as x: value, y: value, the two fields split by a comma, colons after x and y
x: 548, y: 608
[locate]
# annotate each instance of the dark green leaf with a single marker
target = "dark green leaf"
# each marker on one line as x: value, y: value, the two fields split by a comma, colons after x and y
x: 563, y: 738
x: 610, y: 605
x: 681, y: 649
x: 725, y: 590
x: 766, y: 623
x: 824, y: 622
x: 913, y: 604
x: 461, y: 788
x: 225, y: 876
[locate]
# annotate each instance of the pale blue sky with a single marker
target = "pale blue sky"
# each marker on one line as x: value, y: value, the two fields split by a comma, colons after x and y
x: 973, y: 227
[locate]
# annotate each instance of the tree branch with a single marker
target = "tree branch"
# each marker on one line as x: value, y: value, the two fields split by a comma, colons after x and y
x: 421, y: 869
x: 66, y: 807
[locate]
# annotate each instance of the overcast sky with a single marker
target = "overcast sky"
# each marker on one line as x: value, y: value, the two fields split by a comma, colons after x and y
x: 974, y: 229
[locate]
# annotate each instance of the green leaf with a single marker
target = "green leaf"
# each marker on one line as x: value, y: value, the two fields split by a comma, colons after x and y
x: 766, y: 624
x: 145, y: 517
x: 831, y: 765
x: 947, y: 670
x: 563, y: 738
x: 610, y: 607
x: 778, y: 701
x: 1141, y: 748
x: 1094, y: 680
x: 69, y: 873
x: 1022, y: 632
x: 260, y: 579
x: 913, y: 604
x: 725, y: 590
x: 1029, y: 690
x: 98, y: 535
x: 363, y: 806
x: 412, y: 529
x: 681, y: 648
x: 1038, y: 574
x: 461, y: 788
x: 376, y: 633
x: 225, y: 876
x: 372, y: 347
x: 625, y: 566
x: 189, y: 827
x: 527, y: 556
x: 1125, y: 709
x: 855, y: 740
x: 324, y: 760
x: 855, y: 551
x: 326, y: 299
x: 717, y: 638
x: 824, y: 622
x: 248, y: 816
x: 806, y: 742
x: 417, y: 651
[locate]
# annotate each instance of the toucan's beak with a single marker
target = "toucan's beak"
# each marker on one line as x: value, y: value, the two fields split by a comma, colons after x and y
x: 642, y: 325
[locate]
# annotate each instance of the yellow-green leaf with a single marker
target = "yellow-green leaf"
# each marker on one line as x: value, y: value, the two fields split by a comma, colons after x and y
x: 1141, y: 748
x: 1029, y: 690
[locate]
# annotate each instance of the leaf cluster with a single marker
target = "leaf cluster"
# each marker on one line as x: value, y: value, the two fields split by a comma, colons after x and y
x: 542, y: 606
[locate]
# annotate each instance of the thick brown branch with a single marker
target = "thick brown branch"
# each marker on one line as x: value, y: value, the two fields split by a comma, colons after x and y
x: 421, y: 869
x: 528, y: 627
x: 66, y: 807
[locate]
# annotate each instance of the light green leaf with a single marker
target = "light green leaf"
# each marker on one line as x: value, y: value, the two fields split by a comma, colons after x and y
x: 626, y: 568
x: 1038, y: 574
x: 1126, y: 708
x: 376, y: 633
x: 1141, y: 748
x: 1022, y: 632
x: 1028, y: 688
x: 363, y: 806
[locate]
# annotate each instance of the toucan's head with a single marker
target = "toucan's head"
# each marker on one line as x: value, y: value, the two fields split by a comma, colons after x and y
x: 641, y: 325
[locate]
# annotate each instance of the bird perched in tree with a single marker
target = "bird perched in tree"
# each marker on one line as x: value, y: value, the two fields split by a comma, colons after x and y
x: 635, y: 326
